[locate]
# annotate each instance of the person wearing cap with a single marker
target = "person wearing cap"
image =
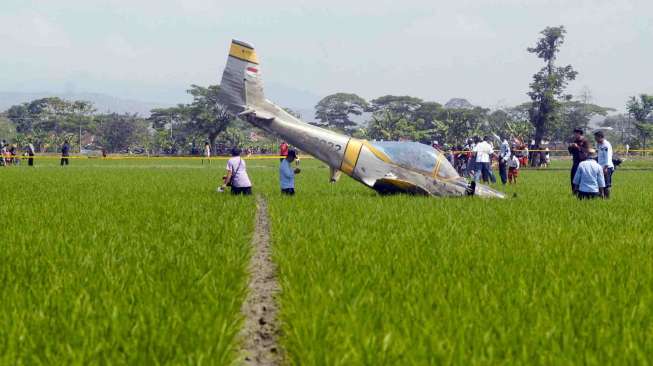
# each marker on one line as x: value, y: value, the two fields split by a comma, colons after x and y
x: 287, y: 173
x: 589, y: 181
x: 605, y: 160
x: 237, y: 177
x: 577, y: 149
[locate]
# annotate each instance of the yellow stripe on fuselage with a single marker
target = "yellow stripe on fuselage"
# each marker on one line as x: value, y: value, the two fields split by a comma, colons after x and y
x: 243, y: 53
x: 352, y: 152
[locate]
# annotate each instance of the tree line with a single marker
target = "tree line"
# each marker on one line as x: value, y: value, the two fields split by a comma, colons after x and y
x: 183, y: 129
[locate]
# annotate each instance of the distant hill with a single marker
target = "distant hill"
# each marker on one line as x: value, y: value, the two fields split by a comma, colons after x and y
x: 103, y: 103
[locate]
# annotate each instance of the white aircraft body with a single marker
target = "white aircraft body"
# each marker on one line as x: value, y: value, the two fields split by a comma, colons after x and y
x: 387, y: 167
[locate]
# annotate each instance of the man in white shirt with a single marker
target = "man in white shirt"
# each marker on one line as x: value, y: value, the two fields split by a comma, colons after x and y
x: 605, y: 160
x: 483, y: 150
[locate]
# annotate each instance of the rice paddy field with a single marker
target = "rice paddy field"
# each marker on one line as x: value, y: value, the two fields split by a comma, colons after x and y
x: 142, y: 262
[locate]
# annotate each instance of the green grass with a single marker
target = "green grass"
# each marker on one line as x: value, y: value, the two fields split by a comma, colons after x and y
x: 141, y: 262
x: 120, y: 263
x: 537, y: 279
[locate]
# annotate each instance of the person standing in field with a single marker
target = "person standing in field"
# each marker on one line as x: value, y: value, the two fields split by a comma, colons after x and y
x: 287, y: 174
x: 237, y: 177
x: 504, y: 158
x: 13, y: 153
x: 483, y: 151
x: 2, y: 153
x: 589, y: 182
x: 605, y: 160
x: 30, y: 154
x: 525, y: 155
x: 578, y: 150
x: 207, y: 152
x: 471, y: 159
x: 65, y: 153
x: 283, y: 150
x: 6, y: 156
x: 513, y: 169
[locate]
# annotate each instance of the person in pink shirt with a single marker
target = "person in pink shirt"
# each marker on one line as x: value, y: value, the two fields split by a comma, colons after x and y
x: 237, y: 177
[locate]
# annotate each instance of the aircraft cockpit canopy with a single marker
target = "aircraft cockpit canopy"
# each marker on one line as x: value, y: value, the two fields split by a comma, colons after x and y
x: 416, y: 156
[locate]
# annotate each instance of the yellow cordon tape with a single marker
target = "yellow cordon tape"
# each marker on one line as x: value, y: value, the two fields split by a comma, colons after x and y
x: 56, y: 157
x: 540, y: 150
x: 251, y: 157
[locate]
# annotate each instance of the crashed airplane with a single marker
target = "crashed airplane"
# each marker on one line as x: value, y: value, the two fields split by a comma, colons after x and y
x: 387, y: 167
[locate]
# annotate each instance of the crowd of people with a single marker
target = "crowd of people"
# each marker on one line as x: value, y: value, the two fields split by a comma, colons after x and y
x: 591, y: 174
x: 475, y: 159
x: 9, y: 154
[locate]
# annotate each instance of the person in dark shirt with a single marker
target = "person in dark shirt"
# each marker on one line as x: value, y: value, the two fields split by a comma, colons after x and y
x: 65, y: 153
x: 578, y: 150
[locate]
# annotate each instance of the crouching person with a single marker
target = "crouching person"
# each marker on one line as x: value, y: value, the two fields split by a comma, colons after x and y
x: 287, y: 173
x: 237, y: 177
x: 589, y: 181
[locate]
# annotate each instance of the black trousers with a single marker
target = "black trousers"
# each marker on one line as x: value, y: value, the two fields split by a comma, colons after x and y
x: 574, y: 168
x: 608, y: 182
x: 30, y: 161
x: 587, y: 195
x: 503, y: 171
x: 246, y: 191
x: 288, y: 191
x: 64, y: 161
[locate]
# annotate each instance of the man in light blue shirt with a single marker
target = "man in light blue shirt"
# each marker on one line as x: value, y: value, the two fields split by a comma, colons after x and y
x: 589, y: 181
x: 287, y: 174
x: 504, y: 157
x: 605, y: 160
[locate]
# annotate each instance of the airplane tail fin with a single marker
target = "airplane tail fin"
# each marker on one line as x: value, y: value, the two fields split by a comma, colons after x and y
x: 241, y: 87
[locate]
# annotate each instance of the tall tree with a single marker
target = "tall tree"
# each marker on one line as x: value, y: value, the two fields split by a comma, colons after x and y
x: 642, y: 110
x: 394, y: 117
x: 335, y: 110
x: 404, y: 106
x: 120, y: 132
x: 548, y: 86
x: 206, y: 116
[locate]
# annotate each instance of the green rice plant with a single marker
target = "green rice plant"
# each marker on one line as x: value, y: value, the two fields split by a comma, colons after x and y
x: 541, y: 278
x: 141, y: 262
x: 114, y: 262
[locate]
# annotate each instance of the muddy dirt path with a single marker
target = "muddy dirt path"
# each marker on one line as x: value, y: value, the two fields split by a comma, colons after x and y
x: 261, y: 329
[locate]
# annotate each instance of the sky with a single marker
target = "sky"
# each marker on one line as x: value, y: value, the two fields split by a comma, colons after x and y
x: 152, y: 50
